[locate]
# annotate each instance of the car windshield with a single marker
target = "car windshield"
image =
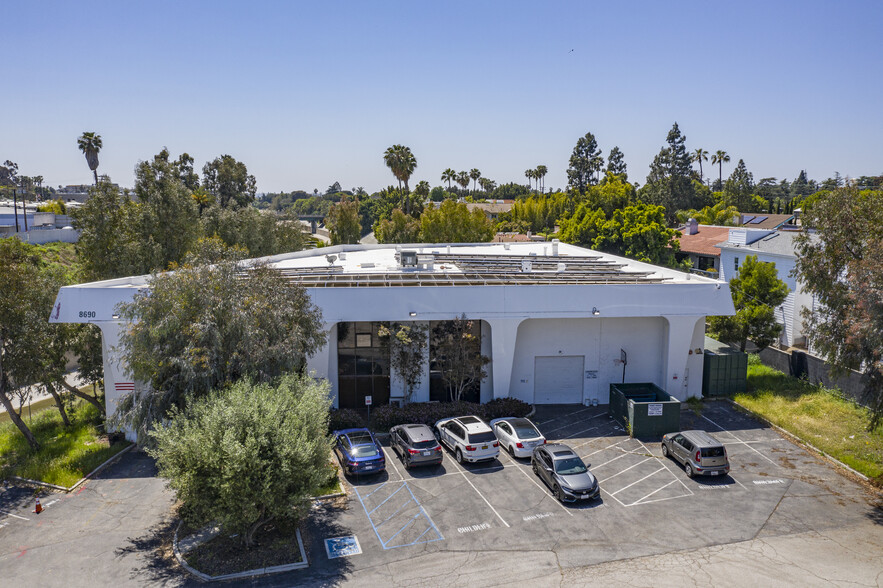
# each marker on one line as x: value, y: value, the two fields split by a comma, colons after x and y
x: 486, y: 437
x: 570, y: 466
x: 365, y: 451
x: 526, y: 432
x: 424, y: 444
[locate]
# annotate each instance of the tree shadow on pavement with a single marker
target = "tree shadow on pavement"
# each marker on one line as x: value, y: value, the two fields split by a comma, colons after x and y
x: 154, y: 550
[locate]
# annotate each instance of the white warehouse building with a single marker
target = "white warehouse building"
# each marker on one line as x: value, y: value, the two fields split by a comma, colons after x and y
x: 556, y: 320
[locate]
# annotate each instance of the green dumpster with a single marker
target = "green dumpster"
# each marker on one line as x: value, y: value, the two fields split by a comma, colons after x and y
x: 645, y: 410
x: 724, y: 369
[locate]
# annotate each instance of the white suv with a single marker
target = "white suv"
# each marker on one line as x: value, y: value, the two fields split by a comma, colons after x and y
x: 469, y: 438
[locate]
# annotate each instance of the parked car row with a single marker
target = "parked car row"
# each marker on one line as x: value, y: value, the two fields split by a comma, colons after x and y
x: 472, y: 440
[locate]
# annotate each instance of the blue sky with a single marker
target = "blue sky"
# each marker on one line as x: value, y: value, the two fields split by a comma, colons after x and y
x: 307, y: 94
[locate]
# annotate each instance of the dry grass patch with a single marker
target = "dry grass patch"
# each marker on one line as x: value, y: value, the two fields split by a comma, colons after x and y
x: 817, y: 415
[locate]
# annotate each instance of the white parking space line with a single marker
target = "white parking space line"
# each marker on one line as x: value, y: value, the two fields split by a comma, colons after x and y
x: 468, y: 481
x: 392, y: 461
x: 522, y: 469
x: 625, y: 453
x: 565, y: 415
x: 612, y: 496
x: 625, y: 470
x: 638, y: 501
x: 547, y: 433
x: 604, y: 448
x: 14, y: 515
x: 635, y: 482
x: 579, y: 433
x: 739, y: 440
x: 665, y: 465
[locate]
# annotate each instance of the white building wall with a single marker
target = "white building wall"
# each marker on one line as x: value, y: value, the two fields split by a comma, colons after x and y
x: 599, y: 340
x: 788, y: 313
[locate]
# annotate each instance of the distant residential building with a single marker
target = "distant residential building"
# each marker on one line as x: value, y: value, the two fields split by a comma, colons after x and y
x: 698, y: 243
x: 76, y: 192
x: 776, y: 246
x: 758, y: 220
x: 492, y: 209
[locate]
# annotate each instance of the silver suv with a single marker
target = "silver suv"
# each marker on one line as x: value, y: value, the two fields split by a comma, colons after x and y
x: 469, y: 438
x: 701, y: 454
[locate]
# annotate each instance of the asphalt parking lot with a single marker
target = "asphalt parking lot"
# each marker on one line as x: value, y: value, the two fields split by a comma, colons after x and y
x: 782, y: 516
x: 648, y: 505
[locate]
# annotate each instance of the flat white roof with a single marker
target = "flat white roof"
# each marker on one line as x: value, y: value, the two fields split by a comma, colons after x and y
x: 469, y: 264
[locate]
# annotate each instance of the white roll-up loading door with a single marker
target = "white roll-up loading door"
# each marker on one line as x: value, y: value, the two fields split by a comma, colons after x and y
x: 558, y: 379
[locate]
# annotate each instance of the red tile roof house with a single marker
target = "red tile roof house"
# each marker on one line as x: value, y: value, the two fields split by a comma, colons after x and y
x: 698, y: 244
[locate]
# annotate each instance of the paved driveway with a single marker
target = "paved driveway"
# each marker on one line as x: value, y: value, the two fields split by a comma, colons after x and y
x: 782, y: 516
x: 105, y: 533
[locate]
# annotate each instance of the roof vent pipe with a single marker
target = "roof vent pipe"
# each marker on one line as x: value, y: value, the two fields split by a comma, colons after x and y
x: 506, y: 246
x: 448, y: 250
x: 555, y: 247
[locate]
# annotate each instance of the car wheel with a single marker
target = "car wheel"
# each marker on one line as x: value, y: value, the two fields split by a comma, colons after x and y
x: 536, y: 470
x: 459, y: 456
x: 664, y: 450
x: 559, y: 493
x: 688, y: 469
x: 511, y: 451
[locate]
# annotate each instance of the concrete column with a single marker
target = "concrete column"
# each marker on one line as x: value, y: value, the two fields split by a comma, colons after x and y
x: 324, y: 363
x: 118, y: 381
x: 677, y: 350
x: 504, y: 333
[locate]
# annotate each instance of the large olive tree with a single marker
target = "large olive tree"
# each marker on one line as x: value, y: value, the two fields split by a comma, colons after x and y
x: 210, y: 322
x: 248, y: 455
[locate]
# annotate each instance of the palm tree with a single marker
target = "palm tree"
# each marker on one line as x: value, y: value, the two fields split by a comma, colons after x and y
x: 474, y: 174
x: 449, y: 176
x: 541, y: 172
x: 720, y: 158
x: 463, y: 179
x: 422, y: 189
x: 487, y: 184
x: 90, y: 144
x: 700, y: 155
x: 530, y: 174
x: 401, y: 162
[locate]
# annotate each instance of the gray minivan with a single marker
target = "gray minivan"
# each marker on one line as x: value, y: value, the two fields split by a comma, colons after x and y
x: 701, y: 454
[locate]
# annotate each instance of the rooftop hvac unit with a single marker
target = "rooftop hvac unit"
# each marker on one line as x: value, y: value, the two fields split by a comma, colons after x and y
x: 409, y: 259
x: 526, y: 266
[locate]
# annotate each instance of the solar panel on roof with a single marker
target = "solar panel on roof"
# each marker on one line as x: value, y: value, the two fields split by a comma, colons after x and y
x: 759, y: 219
x: 747, y: 219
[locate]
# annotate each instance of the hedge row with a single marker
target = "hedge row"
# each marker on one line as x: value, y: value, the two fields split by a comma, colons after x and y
x: 385, y: 417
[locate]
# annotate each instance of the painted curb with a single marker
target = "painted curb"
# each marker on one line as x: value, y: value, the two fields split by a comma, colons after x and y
x: 79, y: 482
x: 798, y: 440
x: 240, y: 575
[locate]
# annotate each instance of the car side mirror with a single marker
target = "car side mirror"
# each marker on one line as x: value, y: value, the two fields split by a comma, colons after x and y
x: 547, y: 468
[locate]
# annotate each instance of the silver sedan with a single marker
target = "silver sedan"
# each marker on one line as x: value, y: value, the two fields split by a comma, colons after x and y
x: 518, y: 436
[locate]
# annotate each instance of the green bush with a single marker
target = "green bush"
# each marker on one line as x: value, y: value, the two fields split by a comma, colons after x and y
x: 428, y: 413
x: 505, y: 407
x: 248, y: 455
x: 344, y: 418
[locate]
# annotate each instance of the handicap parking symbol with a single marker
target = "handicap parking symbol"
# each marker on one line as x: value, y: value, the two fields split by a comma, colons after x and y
x: 342, y: 546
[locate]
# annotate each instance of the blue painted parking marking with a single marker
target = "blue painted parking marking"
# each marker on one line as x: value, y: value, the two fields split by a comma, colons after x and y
x: 342, y: 546
x: 398, y: 527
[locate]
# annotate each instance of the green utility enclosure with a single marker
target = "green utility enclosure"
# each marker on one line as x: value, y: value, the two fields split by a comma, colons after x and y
x: 724, y: 369
x: 645, y: 410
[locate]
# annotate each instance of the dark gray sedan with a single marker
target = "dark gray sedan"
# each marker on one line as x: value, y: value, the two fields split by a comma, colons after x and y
x: 564, y: 472
x: 415, y: 445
